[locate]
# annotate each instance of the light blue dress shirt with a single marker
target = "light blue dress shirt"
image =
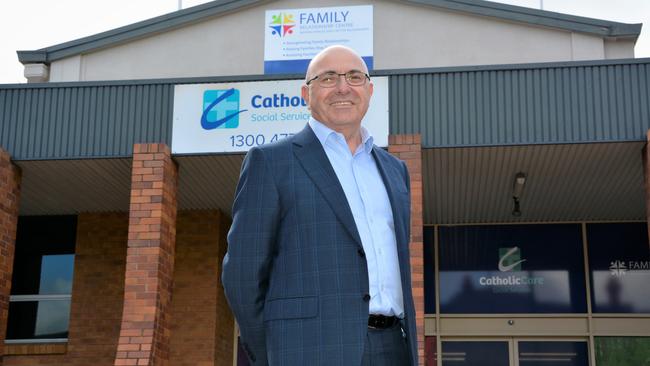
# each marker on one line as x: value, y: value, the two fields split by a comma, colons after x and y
x: 373, y: 216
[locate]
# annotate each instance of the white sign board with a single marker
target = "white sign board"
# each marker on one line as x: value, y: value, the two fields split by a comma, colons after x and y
x: 233, y: 117
x: 293, y: 36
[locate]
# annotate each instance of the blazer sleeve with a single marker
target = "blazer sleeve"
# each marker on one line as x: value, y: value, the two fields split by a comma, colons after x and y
x: 251, y: 244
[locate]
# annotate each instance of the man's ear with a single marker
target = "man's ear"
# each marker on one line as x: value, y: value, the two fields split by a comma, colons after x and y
x: 304, y: 92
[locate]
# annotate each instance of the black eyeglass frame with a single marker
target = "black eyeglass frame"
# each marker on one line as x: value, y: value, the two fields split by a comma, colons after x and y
x: 308, y: 82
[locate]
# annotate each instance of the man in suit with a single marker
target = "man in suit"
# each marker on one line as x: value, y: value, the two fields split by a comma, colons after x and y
x: 317, y: 270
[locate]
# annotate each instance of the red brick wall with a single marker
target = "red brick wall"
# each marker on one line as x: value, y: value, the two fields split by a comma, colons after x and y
x: 9, y: 198
x: 146, y: 318
x: 98, y: 287
x: 202, y: 324
x: 97, y: 290
x: 408, y: 148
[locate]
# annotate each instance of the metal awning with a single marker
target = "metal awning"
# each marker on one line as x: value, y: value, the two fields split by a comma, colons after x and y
x: 569, y: 182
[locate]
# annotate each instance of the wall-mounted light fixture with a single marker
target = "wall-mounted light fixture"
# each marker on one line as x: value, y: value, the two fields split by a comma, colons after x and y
x: 517, y: 189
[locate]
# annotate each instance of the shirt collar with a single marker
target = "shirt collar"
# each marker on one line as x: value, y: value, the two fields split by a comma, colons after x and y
x: 323, y: 133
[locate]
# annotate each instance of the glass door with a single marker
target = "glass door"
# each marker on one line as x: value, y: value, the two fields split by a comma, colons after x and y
x: 514, y: 352
x: 551, y: 353
x: 477, y: 352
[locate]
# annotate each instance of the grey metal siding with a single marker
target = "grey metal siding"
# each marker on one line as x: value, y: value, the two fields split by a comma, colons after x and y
x: 472, y: 106
x: 88, y: 121
x: 523, y: 106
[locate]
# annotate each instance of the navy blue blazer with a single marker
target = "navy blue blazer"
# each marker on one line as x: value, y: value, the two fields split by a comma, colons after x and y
x: 295, y: 274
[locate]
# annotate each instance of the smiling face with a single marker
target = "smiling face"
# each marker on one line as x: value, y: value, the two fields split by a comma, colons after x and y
x: 341, y: 107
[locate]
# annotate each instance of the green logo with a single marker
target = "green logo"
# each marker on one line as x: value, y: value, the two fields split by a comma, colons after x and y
x: 510, y: 259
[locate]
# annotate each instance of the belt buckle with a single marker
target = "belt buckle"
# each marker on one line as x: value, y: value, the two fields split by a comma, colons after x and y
x: 379, y: 321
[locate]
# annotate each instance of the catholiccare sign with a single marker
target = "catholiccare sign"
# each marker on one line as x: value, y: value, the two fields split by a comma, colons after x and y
x: 233, y: 117
x: 294, y: 36
x: 512, y: 269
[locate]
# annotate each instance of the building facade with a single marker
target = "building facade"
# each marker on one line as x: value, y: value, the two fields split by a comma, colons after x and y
x: 524, y: 132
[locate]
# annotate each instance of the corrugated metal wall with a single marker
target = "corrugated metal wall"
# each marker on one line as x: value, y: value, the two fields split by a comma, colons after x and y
x: 520, y: 105
x: 84, y: 121
x: 523, y: 106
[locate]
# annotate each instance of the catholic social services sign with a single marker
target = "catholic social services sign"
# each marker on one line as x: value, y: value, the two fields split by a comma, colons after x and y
x: 294, y: 36
x: 233, y: 117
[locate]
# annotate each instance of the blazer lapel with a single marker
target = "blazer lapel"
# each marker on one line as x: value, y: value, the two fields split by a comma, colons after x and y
x: 390, y: 178
x: 314, y: 161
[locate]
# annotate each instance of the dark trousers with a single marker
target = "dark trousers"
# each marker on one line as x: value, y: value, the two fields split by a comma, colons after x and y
x: 385, y: 347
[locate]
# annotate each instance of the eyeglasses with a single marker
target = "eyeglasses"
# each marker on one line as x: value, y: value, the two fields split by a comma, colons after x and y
x: 331, y: 79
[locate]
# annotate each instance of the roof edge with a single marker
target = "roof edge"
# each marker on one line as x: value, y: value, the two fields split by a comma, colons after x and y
x: 383, y: 72
x: 507, y: 67
x: 32, y: 57
x: 196, y: 13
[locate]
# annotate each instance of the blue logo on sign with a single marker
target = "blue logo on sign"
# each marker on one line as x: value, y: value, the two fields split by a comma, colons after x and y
x: 220, y: 109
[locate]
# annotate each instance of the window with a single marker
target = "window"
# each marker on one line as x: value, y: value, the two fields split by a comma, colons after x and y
x: 619, y: 262
x: 41, y: 288
x: 493, y: 269
x: 553, y: 353
x: 475, y: 353
x: 622, y: 351
x: 429, y: 271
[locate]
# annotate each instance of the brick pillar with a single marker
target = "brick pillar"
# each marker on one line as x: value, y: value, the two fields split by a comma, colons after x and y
x: 408, y: 148
x: 145, y: 331
x: 9, y: 195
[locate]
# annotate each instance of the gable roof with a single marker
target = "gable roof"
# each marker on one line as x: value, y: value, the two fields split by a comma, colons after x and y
x: 202, y: 12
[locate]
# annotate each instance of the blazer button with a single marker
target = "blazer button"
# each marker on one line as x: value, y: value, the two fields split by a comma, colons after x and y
x: 366, y: 297
x: 362, y: 254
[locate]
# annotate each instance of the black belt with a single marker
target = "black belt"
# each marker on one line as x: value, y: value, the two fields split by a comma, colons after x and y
x: 381, y: 321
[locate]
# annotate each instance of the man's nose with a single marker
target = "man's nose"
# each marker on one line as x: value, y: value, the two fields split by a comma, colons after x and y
x: 342, y: 85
